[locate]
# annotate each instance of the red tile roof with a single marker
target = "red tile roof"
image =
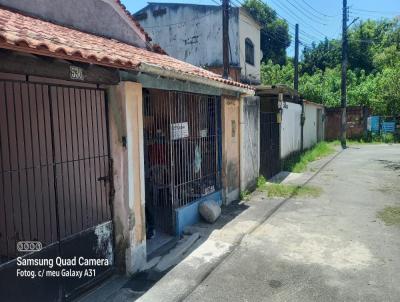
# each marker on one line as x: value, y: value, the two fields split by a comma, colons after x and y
x: 28, y: 34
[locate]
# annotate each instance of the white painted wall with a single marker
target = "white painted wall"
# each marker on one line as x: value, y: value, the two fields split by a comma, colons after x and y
x: 248, y: 28
x: 249, y: 142
x: 311, y: 124
x: 290, y: 129
x: 191, y: 33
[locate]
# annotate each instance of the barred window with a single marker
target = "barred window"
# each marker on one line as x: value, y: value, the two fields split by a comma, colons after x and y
x: 249, y: 51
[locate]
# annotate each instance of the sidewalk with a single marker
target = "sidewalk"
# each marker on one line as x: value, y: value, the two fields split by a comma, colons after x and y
x: 216, y: 244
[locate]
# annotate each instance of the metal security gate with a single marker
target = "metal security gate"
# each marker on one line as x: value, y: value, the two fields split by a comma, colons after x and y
x: 182, y: 139
x: 270, y: 163
x: 54, y: 185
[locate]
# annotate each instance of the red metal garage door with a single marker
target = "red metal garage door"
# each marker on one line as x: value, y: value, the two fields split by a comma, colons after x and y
x: 54, y: 185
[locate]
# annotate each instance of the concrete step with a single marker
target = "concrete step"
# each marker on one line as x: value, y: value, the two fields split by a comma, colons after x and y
x: 177, y: 253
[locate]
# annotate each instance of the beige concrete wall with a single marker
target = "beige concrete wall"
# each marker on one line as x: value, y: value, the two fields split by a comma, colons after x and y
x: 125, y: 111
x: 230, y: 148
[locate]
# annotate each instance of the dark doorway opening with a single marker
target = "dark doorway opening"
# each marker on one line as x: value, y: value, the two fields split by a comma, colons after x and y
x: 270, y: 163
x: 181, y: 141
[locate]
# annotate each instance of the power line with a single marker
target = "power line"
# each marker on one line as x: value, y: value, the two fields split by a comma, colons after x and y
x: 305, y: 14
x: 238, y: 3
x: 292, y: 25
x: 369, y: 16
x: 313, y: 14
x: 271, y: 34
x: 285, y: 8
x: 305, y: 44
x: 234, y: 3
x: 375, y: 11
x: 310, y: 36
x: 323, y: 14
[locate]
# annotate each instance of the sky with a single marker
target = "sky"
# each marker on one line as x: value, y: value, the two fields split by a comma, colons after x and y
x: 317, y: 19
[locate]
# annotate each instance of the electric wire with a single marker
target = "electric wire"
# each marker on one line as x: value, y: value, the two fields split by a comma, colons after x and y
x: 305, y: 13
x: 323, y: 14
x: 375, y: 11
x: 296, y: 17
x: 309, y: 36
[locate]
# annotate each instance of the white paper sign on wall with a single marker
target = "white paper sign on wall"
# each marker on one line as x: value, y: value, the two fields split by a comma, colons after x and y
x: 203, y: 133
x: 179, y: 130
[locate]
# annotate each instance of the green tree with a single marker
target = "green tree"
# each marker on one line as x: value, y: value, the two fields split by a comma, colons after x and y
x: 373, y: 77
x: 275, y: 36
x: 387, y: 91
x: 326, y: 54
x: 277, y: 74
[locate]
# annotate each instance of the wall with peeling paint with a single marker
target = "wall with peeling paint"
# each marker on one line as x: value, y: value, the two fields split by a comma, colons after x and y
x: 192, y: 33
x: 248, y: 28
x: 230, y: 148
x: 250, y: 143
x: 126, y: 142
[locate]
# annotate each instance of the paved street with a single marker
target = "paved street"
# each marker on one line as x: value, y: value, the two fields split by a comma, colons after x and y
x: 330, y: 248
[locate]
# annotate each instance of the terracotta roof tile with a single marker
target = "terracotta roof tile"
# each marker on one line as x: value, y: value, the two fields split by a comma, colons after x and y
x: 27, y: 34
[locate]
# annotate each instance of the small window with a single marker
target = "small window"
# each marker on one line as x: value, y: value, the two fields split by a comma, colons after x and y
x: 159, y: 12
x: 249, y: 51
x: 141, y: 16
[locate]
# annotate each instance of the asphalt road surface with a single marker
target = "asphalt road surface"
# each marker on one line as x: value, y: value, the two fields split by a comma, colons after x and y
x: 329, y: 248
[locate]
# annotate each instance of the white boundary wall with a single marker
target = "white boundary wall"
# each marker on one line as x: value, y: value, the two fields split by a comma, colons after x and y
x: 311, y: 124
x: 290, y: 129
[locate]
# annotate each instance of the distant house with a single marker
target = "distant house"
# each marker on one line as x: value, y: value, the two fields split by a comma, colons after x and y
x: 193, y: 33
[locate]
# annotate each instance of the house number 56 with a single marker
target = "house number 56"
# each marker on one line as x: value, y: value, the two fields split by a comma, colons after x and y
x: 76, y: 73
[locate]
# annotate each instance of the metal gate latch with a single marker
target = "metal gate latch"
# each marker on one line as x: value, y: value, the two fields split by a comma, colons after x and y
x: 104, y: 178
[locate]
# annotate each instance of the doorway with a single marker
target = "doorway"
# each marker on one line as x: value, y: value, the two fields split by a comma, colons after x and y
x: 181, y: 141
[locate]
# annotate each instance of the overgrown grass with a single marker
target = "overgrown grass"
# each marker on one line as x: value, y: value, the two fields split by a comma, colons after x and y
x: 298, y: 163
x: 244, y: 195
x: 386, y: 138
x: 286, y: 190
x: 390, y: 215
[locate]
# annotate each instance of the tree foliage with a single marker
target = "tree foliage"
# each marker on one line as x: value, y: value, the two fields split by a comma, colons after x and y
x: 275, y: 36
x: 373, y: 77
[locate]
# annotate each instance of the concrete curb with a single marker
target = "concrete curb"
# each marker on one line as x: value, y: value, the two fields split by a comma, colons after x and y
x: 184, y: 278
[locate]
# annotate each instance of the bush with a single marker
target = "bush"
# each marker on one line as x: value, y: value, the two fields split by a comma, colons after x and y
x: 261, y: 181
x: 381, y: 138
x: 388, y: 138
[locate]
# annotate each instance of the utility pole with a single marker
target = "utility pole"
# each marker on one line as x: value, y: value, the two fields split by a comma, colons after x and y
x: 296, y: 59
x: 344, y: 76
x: 225, y: 37
x: 296, y: 81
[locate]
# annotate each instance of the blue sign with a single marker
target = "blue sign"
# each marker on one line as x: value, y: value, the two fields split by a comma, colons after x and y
x: 374, y: 127
x: 388, y: 127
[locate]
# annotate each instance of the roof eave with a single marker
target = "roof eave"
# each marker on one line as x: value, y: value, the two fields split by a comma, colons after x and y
x: 170, y: 73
